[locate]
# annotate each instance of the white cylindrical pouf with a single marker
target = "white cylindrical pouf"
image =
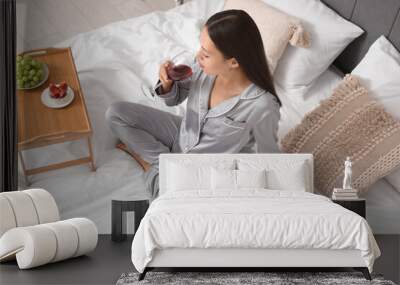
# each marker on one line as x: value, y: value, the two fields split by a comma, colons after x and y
x: 40, y: 244
x: 88, y: 234
x: 33, y: 246
x: 23, y: 208
x: 7, y: 218
x: 67, y: 239
x: 45, y: 205
x: 26, y: 208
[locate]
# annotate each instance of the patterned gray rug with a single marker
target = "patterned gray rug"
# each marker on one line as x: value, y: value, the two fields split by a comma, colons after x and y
x: 242, y: 278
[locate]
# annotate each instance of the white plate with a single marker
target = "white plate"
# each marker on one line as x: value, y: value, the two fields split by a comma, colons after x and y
x: 46, y: 72
x: 57, y: 103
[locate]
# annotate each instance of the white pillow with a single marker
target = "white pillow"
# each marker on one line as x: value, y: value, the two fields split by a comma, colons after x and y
x: 379, y: 71
x: 251, y: 178
x: 185, y: 175
x: 223, y: 179
x: 231, y: 180
x: 330, y: 34
x: 289, y: 175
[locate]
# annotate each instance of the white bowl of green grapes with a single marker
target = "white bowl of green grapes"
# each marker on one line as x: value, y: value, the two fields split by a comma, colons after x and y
x: 31, y: 73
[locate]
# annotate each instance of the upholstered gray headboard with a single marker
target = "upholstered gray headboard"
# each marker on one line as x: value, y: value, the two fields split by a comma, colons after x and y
x: 375, y: 17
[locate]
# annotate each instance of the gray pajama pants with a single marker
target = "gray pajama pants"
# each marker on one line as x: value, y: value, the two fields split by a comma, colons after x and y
x: 146, y: 131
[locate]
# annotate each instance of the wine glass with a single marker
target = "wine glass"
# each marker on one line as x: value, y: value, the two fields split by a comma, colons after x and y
x: 179, y: 69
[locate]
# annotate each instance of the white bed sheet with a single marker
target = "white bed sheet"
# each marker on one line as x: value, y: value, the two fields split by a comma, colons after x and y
x: 252, y: 218
x: 295, y: 105
x: 112, y: 61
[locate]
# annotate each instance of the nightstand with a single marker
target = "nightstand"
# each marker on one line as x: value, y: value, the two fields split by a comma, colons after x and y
x: 356, y: 205
x: 118, y: 220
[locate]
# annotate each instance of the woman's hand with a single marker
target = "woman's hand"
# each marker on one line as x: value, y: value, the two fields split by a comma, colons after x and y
x: 165, y: 81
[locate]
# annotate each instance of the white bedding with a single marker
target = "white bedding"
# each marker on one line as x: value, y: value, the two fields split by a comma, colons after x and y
x: 112, y: 61
x: 295, y: 105
x: 252, y: 218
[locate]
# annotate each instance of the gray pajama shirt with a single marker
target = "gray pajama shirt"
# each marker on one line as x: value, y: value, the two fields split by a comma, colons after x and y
x: 244, y: 123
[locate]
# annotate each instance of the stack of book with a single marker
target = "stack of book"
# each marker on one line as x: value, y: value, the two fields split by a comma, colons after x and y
x: 344, y: 194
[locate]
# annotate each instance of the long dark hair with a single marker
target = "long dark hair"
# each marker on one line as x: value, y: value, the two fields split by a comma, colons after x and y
x: 236, y: 35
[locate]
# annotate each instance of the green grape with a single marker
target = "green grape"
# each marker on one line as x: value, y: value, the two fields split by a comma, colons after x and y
x: 29, y: 72
x: 28, y: 57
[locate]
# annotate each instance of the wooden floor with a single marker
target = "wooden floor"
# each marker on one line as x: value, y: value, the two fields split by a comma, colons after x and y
x: 43, y: 23
x: 111, y: 259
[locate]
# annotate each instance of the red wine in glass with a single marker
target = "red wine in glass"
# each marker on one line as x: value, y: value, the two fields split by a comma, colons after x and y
x: 179, y: 72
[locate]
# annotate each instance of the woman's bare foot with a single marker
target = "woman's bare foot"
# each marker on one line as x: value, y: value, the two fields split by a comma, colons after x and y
x: 144, y: 164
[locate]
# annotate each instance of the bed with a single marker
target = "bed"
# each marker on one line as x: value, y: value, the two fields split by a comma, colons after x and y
x: 282, y: 225
x: 114, y: 60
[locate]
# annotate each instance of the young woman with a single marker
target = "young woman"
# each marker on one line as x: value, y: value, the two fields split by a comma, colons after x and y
x: 232, y: 105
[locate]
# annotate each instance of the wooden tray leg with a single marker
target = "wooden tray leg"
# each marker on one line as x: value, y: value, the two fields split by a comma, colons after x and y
x: 91, y: 154
x: 28, y: 183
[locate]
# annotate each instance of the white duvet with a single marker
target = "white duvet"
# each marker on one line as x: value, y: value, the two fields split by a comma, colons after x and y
x: 256, y: 218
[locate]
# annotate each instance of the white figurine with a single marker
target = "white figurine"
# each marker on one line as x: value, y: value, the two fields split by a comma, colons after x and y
x: 347, y: 174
